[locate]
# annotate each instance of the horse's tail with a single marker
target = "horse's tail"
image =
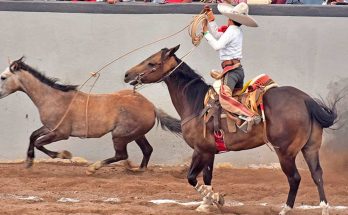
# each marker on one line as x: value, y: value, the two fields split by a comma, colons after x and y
x: 168, y: 122
x: 325, y: 115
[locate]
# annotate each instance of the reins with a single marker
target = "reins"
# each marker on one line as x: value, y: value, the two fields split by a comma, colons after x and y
x: 195, y: 40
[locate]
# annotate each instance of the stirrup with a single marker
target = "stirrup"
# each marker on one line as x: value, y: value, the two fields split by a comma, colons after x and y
x: 248, y: 123
x: 244, y: 127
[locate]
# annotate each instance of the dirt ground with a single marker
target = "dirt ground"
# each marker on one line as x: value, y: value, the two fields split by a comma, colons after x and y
x: 116, y: 190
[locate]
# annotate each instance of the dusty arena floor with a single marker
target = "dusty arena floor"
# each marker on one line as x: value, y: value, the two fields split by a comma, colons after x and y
x: 65, y: 189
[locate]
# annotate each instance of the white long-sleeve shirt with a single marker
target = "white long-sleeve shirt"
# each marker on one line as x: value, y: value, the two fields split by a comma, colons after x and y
x: 229, y: 44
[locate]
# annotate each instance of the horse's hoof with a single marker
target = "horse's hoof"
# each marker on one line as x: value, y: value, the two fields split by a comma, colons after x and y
x: 208, y: 208
x: 325, y: 211
x: 285, y: 210
x: 219, y: 199
x: 325, y: 208
x: 128, y: 164
x: 29, y: 163
x: 137, y: 170
x: 90, y: 172
x: 94, y: 167
x: 64, y: 155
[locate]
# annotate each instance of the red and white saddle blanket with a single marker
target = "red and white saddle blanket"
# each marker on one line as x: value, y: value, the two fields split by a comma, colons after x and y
x: 245, y: 101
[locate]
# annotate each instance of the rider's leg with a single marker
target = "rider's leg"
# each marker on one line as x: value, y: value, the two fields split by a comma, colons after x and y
x: 234, y: 78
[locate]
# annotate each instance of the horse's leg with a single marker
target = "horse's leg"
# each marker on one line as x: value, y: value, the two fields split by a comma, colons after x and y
x: 120, y: 146
x: 288, y: 166
x: 31, y: 154
x: 311, y: 154
x: 41, y: 137
x: 146, y: 149
x: 197, y: 165
x: 31, y: 149
x: 48, y: 138
x: 63, y: 154
x: 199, y: 162
x: 212, y: 197
x: 208, y: 170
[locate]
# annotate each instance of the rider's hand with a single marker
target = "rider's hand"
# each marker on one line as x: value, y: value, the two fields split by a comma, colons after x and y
x: 206, y: 8
x: 210, y: 16
x: 208, y: 11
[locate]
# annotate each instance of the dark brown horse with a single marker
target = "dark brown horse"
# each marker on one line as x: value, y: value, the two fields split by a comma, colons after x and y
x: 126, y: 114
x: 295, y: 123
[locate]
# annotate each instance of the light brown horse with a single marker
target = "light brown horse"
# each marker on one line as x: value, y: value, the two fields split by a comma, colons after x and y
x: 126, y: 114
x: 295, y: 123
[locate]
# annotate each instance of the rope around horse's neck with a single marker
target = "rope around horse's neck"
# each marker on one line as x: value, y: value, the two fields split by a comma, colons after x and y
x: 192, y: 26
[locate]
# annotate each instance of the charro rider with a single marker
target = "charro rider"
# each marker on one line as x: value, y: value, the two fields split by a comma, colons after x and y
x: 228, y: 40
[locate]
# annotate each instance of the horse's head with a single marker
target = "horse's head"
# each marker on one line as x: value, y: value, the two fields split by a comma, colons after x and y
x: 9, y: 82
x: 154, y: 68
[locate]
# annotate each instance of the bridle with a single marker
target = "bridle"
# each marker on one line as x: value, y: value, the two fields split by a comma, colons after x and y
x: 155, y: 68
x: 140, y: 76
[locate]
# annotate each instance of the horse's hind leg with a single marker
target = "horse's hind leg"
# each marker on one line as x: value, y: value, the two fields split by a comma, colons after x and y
x: 311, y: 154
x: 146, y: 149
x: 121, y: 153
x: 288, y: 166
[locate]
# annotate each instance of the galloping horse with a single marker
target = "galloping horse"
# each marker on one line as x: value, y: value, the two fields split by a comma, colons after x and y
x: 295, y: 123
x: 126, y: 114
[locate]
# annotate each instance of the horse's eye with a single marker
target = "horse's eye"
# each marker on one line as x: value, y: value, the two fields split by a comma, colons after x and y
x: 3, y: 78
x: 151, y: 64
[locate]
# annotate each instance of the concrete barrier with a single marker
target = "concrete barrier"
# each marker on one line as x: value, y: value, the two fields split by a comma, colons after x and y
x: 309, y: 53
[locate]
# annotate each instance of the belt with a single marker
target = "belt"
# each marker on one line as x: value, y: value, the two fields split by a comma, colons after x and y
x: 229, y: 62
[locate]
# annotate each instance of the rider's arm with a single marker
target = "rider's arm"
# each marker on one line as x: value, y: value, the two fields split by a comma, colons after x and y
x: 210, y: 23
x: 213, y: 29
x: 225, y: 38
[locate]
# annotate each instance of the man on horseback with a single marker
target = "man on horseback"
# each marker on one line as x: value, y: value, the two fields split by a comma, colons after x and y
x: 228, y: 41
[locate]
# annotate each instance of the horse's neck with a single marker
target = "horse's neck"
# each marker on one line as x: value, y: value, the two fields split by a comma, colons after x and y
x: 179, y: 100
x: 41, y: 94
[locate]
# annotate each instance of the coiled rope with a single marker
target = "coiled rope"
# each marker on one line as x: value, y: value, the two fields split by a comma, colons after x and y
x: 194, y: 26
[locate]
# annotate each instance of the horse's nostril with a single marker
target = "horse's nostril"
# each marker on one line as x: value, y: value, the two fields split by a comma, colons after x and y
x: 126, y: 78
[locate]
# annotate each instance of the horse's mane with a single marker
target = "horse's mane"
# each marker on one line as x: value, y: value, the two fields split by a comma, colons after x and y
x: 52, y: 82
x: 192, y: 86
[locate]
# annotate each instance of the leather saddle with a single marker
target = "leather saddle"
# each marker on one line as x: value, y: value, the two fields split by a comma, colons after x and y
x: 220, y: 103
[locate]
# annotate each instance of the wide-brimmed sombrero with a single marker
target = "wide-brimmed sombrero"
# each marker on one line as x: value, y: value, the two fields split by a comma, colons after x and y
x: 238, y: 13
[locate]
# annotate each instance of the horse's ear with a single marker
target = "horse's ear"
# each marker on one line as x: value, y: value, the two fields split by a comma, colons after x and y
x: 171, y: 52
x: 15, y: 65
